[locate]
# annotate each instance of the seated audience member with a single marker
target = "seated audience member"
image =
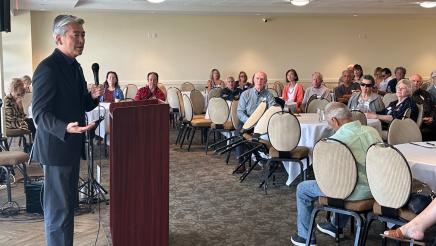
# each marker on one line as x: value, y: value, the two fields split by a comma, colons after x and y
x: 215, y: 80
x: 366, y: 100
x: 293, y: 91
x: 423, y: 97
x: 432, y: 87
x: 378, y: 77
x: 317, y: 88
x: 415, y: 228
x: 387, y: 76
x: 344, y: 91
x: 349, y: 67
x: 243, y: 83
x: 358, y: 73
x: 112, y: 91
x: 397, y: 109
x: 27, y: 83
x: 231, y: 92
x: 151, y: 91
x: 358, y: 138
x: 400, y: 73
x: 14, y: 113
x: 248, y: 102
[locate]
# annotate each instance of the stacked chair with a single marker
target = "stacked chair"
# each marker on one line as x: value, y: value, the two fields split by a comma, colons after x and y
x: 215, y: 92
x: 314, y: 104
x: 336, y: 175
x: 403, y: 131
x: 130, y: 91
x: 187, y: 86
x: 197, y: 100
x: 173, y: 101
x: 219, y: 113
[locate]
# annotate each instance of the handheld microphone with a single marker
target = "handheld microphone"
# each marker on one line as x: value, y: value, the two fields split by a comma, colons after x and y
x: 95, y: 67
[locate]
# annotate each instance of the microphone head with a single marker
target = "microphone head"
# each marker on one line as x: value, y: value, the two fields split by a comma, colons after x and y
x: 95, y: 67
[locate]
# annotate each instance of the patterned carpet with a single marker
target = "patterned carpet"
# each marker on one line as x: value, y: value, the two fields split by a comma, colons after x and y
x: 209, y: 206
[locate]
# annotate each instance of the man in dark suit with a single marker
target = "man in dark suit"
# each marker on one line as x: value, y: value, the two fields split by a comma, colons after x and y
x: 60, y: 99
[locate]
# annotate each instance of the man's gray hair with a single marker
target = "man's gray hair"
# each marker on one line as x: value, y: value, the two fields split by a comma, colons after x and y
x: 62, y: 21
x: 337, y: 110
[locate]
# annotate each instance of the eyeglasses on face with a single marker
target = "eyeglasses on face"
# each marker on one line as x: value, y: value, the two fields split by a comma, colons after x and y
x: 365, y: 85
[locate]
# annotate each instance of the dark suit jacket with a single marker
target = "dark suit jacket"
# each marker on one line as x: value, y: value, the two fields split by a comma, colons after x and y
x: 60, y: 96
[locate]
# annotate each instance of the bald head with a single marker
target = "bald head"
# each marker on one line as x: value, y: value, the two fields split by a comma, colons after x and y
x: 260, y: 80
x: 416, y: 80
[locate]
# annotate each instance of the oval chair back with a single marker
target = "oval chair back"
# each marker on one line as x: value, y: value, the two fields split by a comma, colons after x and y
x: 164, y: 90
x: 255, y: 116
x: 173, y: 98
x: 262, y: 125
x: 215, y: 92
x: 388, y: 98
x: 130, y: 91
x: 187, y: 104
x: 187, y: 86
x: 278, y: 86
x: 284, y: 131
x: 181, y: 105
x: 360, y: 116
x: 26, y: 102
x: 273, y: 92
x: 218, y: 111
x: 403, y: 131
x: 315, y: 104
x: 197, y: 102
x: 335, y: 168
x: 234, y: 114
x: 389, y: 176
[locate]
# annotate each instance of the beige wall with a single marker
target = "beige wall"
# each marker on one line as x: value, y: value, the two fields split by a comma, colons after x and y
x: 17, y: 48
x: 185, y: 48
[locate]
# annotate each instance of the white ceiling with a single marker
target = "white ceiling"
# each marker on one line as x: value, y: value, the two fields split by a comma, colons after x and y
x: 230, y: 7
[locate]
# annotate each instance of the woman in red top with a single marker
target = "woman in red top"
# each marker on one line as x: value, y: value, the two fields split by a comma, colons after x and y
x: 151, y: 91
x: 293, y: 91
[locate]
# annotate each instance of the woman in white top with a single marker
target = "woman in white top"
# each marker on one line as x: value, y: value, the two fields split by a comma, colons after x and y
x: 215, y: 80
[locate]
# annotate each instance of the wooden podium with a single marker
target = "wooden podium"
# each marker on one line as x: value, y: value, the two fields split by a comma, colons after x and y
x: 139, y: 173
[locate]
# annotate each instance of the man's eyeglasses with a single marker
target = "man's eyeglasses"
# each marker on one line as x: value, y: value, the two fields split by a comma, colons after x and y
x: 365, y: 85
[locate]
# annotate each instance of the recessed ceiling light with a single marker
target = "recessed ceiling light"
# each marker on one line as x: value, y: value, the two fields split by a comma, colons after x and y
x: 300, y: 2
x: 156, y: 1
x: 427, y: 4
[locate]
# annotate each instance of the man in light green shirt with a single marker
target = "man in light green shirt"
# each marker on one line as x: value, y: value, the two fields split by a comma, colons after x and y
x: 358, y: 138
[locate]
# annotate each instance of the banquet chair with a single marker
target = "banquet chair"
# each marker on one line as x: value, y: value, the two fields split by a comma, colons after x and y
x: 192, y: 123
x: 403, y: 131
x: 164, y: 90
x: 315, y: 104
x: 197, y: 102
x: 390, y: 182
x: 407, y: 113
x: 219, y: 113
x: 130, y: 91
x: 336, y: 174
x: 278, y: 86
x: 273, y: 92
x: 215, y: 92
x: 284, y: 134
x: 388, y: 98
x: 26, y: 102
x: 257, y: 141
x: 246, y: 128
x: 187, y: 86
x: 420, y: 114
x: 8, y: 161
x: 360, y: 116
x: 20, y: 134
x: 173, y: 101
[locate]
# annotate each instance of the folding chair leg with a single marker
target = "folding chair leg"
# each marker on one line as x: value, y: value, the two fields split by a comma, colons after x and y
x: 192, y: 137
x: 228, y: 157
x: 312, y: 225
x: 207, y: 140
x: 244, y: 175
x: 186, y: 131
x: 181, y: 129
x: 266, y: 170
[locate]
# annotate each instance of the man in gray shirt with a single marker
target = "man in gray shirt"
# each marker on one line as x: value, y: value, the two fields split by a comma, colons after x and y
x: 317, y: 89
x: 248, y: 102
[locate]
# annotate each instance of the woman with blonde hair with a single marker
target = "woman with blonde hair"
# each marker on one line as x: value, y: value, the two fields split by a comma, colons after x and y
x: 215, y: 80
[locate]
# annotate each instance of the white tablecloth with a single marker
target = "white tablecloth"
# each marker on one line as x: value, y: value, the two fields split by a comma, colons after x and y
x: 101, y: 110
x: 422, y: 162
x: 312, y: 130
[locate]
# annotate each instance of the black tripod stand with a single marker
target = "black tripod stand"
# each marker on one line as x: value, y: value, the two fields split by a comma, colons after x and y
x: 93, y: 190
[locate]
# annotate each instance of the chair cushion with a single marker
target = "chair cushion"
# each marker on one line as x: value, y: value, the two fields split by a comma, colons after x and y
x: 299, y: 152
x: 16, y: 132
x: 357, y: 206
x: 227, y: 126
x: 13, y: 157
x: 402, y: 212
x: 201, y: 122
x: 198, y: 116
x: 247, y: 136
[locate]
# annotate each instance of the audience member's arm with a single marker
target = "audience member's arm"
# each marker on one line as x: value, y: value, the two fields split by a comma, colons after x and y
x: 242, y: 105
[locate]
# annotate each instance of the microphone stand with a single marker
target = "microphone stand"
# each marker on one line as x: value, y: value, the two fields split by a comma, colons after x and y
x: 93, y: 190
